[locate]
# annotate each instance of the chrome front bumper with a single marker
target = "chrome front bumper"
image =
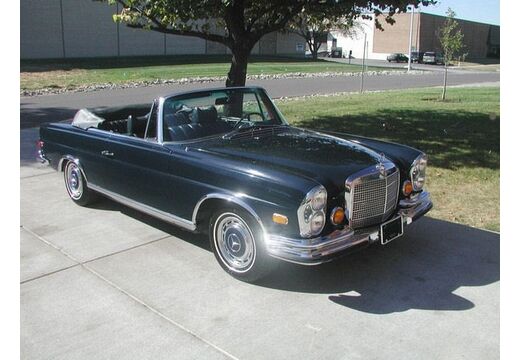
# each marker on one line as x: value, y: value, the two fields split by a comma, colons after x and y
x: 326, y: 248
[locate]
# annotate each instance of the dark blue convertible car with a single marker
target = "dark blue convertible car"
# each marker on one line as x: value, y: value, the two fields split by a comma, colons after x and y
x: 225, y: 161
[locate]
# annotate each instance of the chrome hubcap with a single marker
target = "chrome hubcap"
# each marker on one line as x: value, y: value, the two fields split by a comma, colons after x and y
x: 234, y: 242
x: 73, y: 181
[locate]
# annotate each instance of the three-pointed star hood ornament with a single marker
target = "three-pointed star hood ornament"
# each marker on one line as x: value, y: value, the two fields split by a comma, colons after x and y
x: 381, y: 165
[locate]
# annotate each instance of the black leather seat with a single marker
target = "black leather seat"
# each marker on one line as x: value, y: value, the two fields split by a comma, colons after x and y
x: 195, y: 123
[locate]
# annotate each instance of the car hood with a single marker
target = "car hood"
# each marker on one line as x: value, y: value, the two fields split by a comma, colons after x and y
x: 326, y: 159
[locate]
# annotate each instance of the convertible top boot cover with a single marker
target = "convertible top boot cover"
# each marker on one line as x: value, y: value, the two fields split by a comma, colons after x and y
x: 84, y: 119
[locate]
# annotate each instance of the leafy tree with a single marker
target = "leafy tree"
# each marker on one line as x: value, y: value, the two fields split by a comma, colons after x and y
x: 239, y: 24
x: 314, y: 29
x: 452, y: 43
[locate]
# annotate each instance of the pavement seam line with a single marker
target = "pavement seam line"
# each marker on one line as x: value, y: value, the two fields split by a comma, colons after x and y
x: 158, y: 313
x: 78, y: 262
x: 133, y: 297
x: 41, y: 238
x: 47, y: 274
x: 36, y: 175
x: 127, y: 249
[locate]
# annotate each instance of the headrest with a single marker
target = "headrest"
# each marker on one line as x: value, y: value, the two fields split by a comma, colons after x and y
x: 179, y: 118
x: 204, y: 114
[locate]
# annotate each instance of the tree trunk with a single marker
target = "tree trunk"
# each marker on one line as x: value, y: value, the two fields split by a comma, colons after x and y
x: 314, y: 52
x: 445, y: 82
x: 238, y: 71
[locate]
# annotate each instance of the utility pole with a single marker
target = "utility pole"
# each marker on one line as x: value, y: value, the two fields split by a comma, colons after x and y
x: 410, y: 42
x: 363, y: 66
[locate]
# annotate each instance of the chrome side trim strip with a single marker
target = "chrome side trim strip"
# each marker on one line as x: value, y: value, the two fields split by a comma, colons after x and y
x: 186, y: 224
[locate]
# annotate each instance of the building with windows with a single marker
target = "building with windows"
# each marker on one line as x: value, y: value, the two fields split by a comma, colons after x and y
x: 84, y: 28
x: 482, y: 41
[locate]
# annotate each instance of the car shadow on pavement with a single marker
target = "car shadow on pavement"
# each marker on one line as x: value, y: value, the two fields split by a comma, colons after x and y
x: 420, y: 270
x: 200, y: 240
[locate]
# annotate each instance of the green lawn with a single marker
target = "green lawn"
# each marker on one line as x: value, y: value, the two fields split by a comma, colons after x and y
x: 74, y: 73
x: 461, y: 137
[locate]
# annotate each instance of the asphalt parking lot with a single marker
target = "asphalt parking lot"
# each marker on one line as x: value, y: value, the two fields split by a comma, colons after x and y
x: 109, y: 282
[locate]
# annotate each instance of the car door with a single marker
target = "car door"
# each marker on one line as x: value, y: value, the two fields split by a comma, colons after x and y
x: 88, y: 147
x: 139, y: 167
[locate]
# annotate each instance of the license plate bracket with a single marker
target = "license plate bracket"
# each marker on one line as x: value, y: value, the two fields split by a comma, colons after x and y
x: 391, y: 230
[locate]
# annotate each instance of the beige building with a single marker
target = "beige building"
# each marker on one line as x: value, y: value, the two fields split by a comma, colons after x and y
x: 482, y: 41
x: 84, y: 28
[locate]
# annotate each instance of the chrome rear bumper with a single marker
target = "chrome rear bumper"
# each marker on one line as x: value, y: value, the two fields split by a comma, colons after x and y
x: 326, y: 248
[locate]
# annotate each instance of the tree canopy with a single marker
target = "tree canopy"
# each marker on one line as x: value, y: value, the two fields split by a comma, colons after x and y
x: 316, y: 29
x: 452, y: 43
x: 239, y: 24
x: 451, y: 37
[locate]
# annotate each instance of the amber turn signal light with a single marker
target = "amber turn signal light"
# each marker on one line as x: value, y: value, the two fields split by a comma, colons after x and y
x: 337, y: 216
x: 407, y: 188
x: 280, y: 219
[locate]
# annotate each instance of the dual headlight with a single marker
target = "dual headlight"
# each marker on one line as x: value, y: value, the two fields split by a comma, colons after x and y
x: 418, y: 172
x: 311, y: 213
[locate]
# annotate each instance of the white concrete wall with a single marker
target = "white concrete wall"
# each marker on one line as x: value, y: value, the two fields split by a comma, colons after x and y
x: 356, y: 42
x: 286, y: 44
x: 40, y: 29
x: 84, y: 28
x: 139, y: 42
x: 88, y: 29
x: 182, y: 45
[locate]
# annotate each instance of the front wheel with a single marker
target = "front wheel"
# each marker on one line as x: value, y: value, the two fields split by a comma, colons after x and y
x: 237, y: 243
x: 76, y: 185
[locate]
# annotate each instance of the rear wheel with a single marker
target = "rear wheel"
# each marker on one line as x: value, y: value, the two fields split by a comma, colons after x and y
x: 238, y: 245
x: 76, y: 185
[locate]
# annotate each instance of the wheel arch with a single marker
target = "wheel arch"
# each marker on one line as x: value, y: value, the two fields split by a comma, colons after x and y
x: 213, y: 201
x: 65, y: 159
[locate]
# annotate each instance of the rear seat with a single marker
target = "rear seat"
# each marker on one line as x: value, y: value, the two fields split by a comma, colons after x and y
x: 131, y: 126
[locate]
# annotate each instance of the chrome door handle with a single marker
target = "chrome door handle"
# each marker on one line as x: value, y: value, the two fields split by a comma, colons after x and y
x: 107, y: 153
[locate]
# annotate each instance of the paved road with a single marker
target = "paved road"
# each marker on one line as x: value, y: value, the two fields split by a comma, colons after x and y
x: 47, y: 108
x: 384, y: 63
x: 108, y: 282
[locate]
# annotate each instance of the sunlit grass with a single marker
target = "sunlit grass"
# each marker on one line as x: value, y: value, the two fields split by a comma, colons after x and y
x: 74, y: 73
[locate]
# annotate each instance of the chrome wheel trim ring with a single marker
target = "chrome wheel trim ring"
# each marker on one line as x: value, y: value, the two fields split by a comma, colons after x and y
x: 234, y: 242
x: 73, y: 181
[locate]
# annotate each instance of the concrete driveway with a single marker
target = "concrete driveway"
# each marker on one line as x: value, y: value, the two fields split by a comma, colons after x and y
x: 109, y: 282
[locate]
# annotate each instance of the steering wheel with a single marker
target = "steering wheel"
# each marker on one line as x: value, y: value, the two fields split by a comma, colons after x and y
x: 248, y: 115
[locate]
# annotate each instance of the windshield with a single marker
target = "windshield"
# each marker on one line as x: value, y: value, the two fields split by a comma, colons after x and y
x: 217, y: 112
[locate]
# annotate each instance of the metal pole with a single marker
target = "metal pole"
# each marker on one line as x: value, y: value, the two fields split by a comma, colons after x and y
x: 410, y: 42
x: 363, y: 65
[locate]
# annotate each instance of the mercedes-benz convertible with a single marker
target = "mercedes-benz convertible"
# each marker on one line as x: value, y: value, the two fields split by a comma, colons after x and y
x: 225, y: 162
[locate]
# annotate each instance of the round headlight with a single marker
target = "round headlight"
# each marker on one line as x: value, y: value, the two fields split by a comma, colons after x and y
x: 418, y: 172
x: 311, y: 213
x: 319, y: 199
x: 317, y: 222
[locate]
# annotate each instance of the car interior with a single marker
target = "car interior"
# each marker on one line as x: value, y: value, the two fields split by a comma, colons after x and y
x: 184, y: 119
x: 192, y: 123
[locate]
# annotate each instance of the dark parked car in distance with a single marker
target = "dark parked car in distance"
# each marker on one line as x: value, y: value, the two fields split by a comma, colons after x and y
x: 397, y: 57
x: 417, y: 56
x: 225, y: 162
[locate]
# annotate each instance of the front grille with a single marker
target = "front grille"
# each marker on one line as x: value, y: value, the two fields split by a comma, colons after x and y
x: 372, y: 200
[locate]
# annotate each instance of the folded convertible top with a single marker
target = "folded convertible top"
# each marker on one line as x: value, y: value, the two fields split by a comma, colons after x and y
x: 84, y: 119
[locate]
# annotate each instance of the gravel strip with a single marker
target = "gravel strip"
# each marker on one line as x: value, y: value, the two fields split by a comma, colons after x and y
x: 94, y: 87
